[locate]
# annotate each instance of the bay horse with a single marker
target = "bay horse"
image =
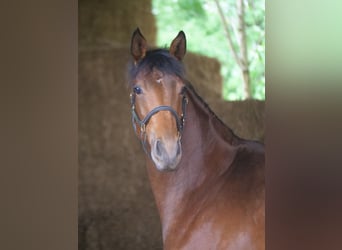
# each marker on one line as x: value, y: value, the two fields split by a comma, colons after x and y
x: 208, y: 183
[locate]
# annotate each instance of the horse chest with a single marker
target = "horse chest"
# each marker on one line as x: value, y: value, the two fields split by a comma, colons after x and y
x: 206, y: 237
x: 208, y: 231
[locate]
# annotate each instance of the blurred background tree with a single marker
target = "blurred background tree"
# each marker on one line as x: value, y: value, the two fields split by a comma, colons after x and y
x: 219, y: 29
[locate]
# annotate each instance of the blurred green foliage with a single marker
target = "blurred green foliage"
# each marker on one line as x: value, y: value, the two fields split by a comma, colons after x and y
x: 200, y: 21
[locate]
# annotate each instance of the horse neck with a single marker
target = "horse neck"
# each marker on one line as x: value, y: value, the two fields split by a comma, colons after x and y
x: 207, y: 152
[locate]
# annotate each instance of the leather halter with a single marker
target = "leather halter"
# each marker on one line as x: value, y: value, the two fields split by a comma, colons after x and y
x: 180, y: 120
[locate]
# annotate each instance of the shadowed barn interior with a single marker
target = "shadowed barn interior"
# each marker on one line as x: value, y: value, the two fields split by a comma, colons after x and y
x: 116, y: 206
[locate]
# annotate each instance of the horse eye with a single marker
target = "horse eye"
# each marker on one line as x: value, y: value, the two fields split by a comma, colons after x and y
x: 137, y: 90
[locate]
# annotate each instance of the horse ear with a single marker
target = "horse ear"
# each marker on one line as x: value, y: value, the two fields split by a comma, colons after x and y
x: 178, y: 46
x: 138, y: 45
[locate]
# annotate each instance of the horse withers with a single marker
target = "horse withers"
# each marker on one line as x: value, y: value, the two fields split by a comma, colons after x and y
x: 208, y: 183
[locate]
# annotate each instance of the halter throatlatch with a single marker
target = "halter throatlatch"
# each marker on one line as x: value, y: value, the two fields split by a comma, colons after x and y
x: 180, y: 120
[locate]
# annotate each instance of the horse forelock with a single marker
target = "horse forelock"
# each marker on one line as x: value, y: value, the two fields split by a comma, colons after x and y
x: 158, y: 59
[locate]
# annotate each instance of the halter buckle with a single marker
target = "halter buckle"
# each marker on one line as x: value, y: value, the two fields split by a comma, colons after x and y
x: 143, y: 128
x: 182, y: 120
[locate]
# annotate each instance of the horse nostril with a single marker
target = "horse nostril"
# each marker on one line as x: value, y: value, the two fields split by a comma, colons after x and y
x: 179, y: 148
x: 159, y: 148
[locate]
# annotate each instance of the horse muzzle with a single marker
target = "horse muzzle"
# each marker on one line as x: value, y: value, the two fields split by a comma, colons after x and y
x: 166, y: 154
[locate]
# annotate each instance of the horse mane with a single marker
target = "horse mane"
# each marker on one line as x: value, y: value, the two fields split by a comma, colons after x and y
x: 206, y: 106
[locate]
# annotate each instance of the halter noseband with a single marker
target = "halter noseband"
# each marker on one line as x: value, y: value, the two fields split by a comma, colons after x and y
x: 180, y: 120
